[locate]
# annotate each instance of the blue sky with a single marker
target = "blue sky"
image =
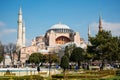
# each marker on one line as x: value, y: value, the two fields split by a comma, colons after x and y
x: 40, y: 15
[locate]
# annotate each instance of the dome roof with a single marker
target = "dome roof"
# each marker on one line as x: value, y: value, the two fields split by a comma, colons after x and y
x: 60, y: 26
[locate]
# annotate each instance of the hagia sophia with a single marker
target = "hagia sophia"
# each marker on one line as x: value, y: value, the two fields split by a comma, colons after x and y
x: 52, y: 41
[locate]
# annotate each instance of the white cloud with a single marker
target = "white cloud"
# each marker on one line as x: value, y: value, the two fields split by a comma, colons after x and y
x: 109, y: 26
x: 7, y: 35
x: 4, y: 30
x: 2, y: 24
x: 7, y: 32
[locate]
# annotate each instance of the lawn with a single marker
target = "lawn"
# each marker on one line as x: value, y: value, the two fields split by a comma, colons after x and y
x: 73, y: 75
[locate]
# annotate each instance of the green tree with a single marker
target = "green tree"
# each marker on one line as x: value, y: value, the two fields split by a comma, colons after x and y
x: 2, y: 54
x: 68, y: 49
x: 52, y: 58
x: 64, y: 63
x: 35, y: 58
x: 105, y: 46
x: 113, y: 49
x: 1, y: 58
x: 77, y: 55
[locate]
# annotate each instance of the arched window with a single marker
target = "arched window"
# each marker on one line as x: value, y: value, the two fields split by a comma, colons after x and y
x: 62, y: 40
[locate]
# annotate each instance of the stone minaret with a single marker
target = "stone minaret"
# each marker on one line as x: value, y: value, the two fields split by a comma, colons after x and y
x: 88, y: 31
x: 21, y: 31
x: 89, y: 35
x: 23, y: 35
x: 19, y: 35
x: 100, y: 24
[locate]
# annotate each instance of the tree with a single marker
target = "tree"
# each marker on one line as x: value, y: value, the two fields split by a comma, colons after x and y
x: 2, y: 54
x: 77, y: 55
x: 113, y: 49
x: 68, y: 49
x: 11, y: 49
x: 64, y: 63
x: 1, y: 58
x: 35, y: 58
x: 105, y: 46
x: 53, y: 58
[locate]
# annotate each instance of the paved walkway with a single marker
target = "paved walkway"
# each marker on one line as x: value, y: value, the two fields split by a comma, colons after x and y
x: 28, y: 71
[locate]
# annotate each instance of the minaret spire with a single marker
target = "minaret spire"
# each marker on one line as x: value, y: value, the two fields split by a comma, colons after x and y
x: 100, y: 24
x: 88, y: 31
x: 20, y: 11
x: 19, y: 38
x: 89, y: 34
x: 21, y: 30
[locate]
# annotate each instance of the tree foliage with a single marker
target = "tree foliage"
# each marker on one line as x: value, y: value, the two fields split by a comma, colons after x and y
x: 64, y: 62
x: 52, y: 58
x: 105, y: 46
x: 1, y: 49
x: 69, y: 49
x: 77, y: 55
x: 1, y: 58
x: 35, y: 58
x: 1, y: 52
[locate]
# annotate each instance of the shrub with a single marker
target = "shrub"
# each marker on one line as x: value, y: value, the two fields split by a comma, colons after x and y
x: 118, y: 73
x: 32, y: 77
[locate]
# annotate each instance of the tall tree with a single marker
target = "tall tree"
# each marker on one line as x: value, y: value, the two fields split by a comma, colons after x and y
x: 77, y: 55
x: 105, y: 46
x: 64, y: 63
x: 2, y: 54
x: 68, y: 49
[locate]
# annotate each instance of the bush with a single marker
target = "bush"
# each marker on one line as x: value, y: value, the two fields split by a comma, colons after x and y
x: 118, y: 73
x: 58, y: 76
x: 32, y: 77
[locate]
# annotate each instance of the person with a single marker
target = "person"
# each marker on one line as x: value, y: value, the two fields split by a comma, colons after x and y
x: 38, y: 69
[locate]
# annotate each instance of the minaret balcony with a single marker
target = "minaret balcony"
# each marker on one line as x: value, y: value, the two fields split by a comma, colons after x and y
x: 19, y: 21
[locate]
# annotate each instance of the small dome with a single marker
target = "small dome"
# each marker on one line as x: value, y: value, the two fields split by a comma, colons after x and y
x: 60, y: 26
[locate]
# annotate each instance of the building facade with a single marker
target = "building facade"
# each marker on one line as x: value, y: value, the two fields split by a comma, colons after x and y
x: 52, y: 41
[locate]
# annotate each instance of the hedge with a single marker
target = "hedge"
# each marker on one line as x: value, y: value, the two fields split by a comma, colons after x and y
x: 32, y: 77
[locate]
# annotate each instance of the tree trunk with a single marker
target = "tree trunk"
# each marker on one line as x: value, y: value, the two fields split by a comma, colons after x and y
x: 64, y: 74
x: 4, y: 61
x: 79, y: 64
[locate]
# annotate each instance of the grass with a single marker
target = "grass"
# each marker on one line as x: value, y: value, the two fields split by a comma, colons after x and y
x: 47, y: 78
x: 87, y: 75
x: 114, y: 78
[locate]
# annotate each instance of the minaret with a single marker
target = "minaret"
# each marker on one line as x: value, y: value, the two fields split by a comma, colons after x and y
x: 19, y: 36
x: 89, y: 35
x: 100, y: 24
x: 88, y: 31
x: 23, y: 35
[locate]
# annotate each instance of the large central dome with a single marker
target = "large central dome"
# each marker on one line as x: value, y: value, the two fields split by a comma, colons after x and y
x: 60, y: 26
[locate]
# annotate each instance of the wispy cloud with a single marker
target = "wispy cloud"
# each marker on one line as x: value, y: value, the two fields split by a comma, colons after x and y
x: 2, y: 24
x: 109, y: 26
x: 4, y: 30
x: 7, y: 32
